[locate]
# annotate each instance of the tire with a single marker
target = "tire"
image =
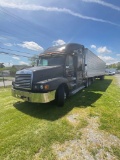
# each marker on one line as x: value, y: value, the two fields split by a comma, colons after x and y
x: 101, y: 77
x: 60, y: 96
x: 93, y: 79
x: 89, y: 81
x: 86, y: 83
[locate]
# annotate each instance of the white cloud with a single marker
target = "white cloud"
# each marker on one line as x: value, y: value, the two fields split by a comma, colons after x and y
x: 2, y: 53
x: 3, y: 38
x: 33, y: 7
x: 8, y: 64
x: 58, y: 42
x: 93, y: 46
x: 103, y: 50
x: 31, y: 45
x: 107, y: 59
x: 8, y: 44
x: 103, y: 3
x: 17, y: 58
x: 23, y: 63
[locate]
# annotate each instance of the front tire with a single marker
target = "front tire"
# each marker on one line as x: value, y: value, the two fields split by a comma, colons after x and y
x: 60, y: 96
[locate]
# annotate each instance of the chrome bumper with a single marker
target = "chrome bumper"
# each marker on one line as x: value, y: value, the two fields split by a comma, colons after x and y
x: 34, y: 97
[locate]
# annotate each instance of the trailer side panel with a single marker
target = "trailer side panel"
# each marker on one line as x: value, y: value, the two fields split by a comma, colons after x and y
x: 94, y: 65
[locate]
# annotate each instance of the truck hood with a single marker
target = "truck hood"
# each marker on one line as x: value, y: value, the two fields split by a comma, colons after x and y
x: 33, y: 69
x: 42, y: 73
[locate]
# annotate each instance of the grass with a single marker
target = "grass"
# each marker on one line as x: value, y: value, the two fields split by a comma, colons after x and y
x: 27, y: 131
x: 108, y: 108
x: 116, y: 151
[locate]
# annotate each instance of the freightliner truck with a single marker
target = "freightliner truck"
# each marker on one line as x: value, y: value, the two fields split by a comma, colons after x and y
x: 60, y: 71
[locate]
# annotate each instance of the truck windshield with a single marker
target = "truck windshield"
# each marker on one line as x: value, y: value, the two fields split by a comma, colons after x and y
x: 51, y: 61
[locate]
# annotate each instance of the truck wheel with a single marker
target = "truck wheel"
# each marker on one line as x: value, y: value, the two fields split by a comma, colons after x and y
x: 60, y: 96
x: 101, y: 77
x: 89, y: 81
x: 93, y: 79
x: 86, y: 83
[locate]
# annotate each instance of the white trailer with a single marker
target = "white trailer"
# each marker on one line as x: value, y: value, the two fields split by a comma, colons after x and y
x: 94, y: 66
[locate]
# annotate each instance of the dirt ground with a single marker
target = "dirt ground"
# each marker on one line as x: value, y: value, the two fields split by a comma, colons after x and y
x: 95, y: 144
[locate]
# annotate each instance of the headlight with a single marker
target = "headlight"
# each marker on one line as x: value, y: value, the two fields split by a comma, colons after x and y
x: 41, y: 87
x: 38, y: 87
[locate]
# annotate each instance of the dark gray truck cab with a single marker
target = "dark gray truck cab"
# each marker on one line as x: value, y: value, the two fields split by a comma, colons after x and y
x: 60, y: 72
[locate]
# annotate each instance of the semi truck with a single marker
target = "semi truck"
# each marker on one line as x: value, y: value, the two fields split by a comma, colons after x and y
x: 60, y: 72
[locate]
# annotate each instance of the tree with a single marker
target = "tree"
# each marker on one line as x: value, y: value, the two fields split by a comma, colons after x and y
x: 1, y: 65
x: 33, y: 60
x: 118, y: 65
x: 13, y: 71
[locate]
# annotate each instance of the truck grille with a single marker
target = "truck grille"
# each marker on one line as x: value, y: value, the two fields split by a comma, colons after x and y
x: 23, y: 81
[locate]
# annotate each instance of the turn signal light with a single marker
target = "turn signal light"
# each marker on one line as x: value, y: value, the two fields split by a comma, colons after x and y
x: 46, y: 87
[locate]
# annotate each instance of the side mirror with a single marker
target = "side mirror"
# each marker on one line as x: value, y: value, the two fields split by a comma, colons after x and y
x: 85, y: 64
x: 37, y: 62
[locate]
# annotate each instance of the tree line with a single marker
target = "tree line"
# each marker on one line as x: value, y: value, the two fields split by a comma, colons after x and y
x: 114, y: 65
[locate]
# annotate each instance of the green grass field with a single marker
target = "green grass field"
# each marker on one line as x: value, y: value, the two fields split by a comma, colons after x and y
x: 27, y: 130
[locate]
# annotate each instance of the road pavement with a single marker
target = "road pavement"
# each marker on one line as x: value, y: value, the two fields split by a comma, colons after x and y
x: 118, y: 78
x: 6, y: 83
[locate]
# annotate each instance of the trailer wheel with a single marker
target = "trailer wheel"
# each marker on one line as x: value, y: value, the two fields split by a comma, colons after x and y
x: 60, y: 96
x: 93, y: 79
x: 87, y: 83
x: 90, y: 81
x: 101, y: 77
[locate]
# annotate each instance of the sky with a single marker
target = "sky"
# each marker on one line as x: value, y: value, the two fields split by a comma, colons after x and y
x: 28, y: 27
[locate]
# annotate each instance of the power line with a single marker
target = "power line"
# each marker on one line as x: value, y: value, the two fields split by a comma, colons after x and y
x: 25, y: 25
x: 1, y: 30
x: 14, y: 50
x: 14, y: 54
x: 21, y: 20
x: 16, y: 18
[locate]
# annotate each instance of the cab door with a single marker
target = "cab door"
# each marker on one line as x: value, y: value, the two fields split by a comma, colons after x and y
x: 80, y: 69
x: 70, y: 69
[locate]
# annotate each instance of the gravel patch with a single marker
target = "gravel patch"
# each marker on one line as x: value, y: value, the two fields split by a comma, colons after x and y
x: 94, y: 144
x: 36, y: 157
x: 73, y: 119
